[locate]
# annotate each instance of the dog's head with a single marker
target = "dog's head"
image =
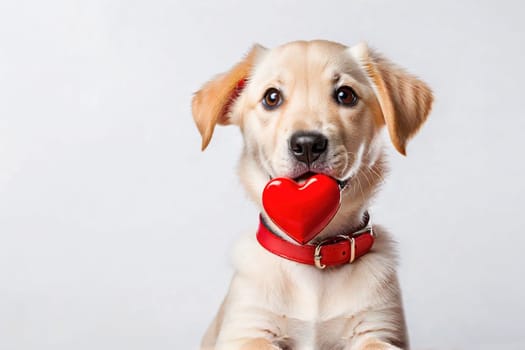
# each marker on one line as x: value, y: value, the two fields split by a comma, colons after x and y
x: 314, y: 107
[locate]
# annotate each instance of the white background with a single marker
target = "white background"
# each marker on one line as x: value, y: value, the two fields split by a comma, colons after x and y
x: 105, y: 197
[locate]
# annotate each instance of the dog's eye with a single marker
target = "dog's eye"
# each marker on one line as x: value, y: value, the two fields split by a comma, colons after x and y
x: 346, y: 96
x: 272, y: 99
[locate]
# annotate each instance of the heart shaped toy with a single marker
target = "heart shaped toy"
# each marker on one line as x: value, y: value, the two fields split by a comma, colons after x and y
x: 302, y: 211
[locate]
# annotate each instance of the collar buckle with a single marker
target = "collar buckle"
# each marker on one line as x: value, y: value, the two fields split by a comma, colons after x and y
x: 317, y: 252
x: 351, y: 240
x: 318, y: 256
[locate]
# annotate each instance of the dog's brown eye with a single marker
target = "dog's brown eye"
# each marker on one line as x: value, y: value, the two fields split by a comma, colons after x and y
x: 346, y: 96
x: 272, y: 99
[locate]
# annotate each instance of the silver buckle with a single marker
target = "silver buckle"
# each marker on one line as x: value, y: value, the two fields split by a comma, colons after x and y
x: 318, y: 256
x: 351, y: 239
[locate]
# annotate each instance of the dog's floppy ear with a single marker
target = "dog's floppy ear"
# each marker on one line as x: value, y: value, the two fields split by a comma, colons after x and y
x: 211, y: 104
x: 404, y: 99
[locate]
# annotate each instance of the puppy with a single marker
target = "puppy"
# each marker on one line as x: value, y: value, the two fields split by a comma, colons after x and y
x: 335, y: 100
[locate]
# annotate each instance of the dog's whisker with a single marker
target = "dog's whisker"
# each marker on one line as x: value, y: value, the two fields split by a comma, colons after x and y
x: 366, y: 177
x: 372, y: 170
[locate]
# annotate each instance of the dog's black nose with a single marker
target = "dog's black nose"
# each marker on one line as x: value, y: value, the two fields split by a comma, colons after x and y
x: 307, y: 146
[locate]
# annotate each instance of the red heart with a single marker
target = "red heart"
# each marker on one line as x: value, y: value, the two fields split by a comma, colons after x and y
x: 302, y: 211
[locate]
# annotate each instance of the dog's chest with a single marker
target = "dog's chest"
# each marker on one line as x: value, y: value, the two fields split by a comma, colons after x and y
x: 306, y: 335
x: 319, y: 315
x: 314, y: 295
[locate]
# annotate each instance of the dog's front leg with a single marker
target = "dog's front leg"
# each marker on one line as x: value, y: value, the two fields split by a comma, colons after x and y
x: 248, y: 322
x: 253, y: 339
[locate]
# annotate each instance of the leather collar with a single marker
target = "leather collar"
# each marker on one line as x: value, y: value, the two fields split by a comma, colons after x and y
x: 334, y: 251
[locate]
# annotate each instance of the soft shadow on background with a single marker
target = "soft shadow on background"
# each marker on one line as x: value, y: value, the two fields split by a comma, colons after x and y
x: 105, y: 196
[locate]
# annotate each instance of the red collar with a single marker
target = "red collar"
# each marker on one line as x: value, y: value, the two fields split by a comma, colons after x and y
x: 339, y: 250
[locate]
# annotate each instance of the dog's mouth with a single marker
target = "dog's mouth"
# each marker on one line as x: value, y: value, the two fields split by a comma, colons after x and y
x: 301, y: 179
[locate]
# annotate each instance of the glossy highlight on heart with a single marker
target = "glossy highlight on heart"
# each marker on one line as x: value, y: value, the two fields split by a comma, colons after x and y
x: 302, y: 211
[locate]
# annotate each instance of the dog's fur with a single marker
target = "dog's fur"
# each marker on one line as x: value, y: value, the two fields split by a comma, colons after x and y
x: 274, y: 303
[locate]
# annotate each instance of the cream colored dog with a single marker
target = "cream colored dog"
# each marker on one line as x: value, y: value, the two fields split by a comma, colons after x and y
x: 341, y: 97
